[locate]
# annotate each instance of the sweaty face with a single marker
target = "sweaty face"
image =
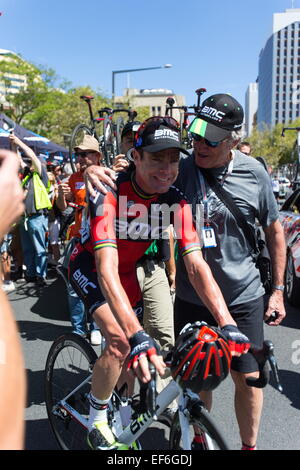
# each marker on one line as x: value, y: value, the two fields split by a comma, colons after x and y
x: 156, y: 172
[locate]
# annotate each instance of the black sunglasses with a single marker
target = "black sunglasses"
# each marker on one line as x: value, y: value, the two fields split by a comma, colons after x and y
x: 83, y: 154
x: 209, y: 143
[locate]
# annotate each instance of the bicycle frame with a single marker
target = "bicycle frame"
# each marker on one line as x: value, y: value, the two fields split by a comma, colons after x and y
x: 137, y: 426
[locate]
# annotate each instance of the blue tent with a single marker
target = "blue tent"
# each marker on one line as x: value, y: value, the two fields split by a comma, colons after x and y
x: 40, y: 145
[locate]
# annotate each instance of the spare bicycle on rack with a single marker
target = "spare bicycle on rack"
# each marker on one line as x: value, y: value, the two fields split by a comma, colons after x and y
x: 186, y: 138
x: 103, y: 128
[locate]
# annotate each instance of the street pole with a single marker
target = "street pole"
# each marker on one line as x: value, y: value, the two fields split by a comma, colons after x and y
x: 114, y: 72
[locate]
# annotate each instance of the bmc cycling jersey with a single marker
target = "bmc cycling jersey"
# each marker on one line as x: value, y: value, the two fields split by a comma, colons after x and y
x: 128, y: 220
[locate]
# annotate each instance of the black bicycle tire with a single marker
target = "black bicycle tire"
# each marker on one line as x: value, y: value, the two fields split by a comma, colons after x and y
x: 69, y: 339
x: 202, y: 419
x: 108, y: 144
x: 119, y: 128
x: 79, y: 128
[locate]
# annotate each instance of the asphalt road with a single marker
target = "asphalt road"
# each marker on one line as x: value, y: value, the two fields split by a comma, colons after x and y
x: 42, y: 315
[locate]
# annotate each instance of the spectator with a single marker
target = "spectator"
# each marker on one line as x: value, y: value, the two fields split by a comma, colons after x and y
x: 244, y: 147
x: 231, y: 258
x: 8, y: 285
x: 12, y: 373
x: 35, y: 222
x: 54, y: 221
x: 88, y: 153
x: 275, y: 187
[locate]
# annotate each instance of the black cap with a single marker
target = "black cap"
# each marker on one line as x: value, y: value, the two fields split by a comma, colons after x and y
x: 130, y: 127
x: 220, y: 115
x: 158, y: 134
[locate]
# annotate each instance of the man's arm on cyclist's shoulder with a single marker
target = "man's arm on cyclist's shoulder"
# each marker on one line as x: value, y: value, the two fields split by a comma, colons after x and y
x: 96, y: 175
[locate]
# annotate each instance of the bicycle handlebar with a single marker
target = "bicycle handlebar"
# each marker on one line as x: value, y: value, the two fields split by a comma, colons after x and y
x: 148, y: 394
x: 262, y: 356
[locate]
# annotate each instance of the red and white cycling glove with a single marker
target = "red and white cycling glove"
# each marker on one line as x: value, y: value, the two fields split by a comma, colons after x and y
x: 141, y: 345
x: 238, y: 342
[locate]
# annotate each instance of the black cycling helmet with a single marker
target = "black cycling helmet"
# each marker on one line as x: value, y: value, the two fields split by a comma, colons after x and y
x: 201, y: 357
x: 130, y: 127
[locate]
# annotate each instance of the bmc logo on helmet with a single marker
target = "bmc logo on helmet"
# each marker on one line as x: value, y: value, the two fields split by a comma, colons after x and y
x: 163, y: 133
x: 212, y: 112
x: 83, y: 281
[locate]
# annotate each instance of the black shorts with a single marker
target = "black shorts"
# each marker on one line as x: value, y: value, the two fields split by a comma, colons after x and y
x: 84, y: 280
x: 248, y: 316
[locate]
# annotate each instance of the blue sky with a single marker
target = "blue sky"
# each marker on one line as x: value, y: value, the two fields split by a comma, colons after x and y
x: 213, y: 44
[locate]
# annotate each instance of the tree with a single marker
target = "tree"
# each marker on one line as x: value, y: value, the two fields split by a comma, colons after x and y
x: 270, y: 144
x: 34, y: 86
x: 46, y: 104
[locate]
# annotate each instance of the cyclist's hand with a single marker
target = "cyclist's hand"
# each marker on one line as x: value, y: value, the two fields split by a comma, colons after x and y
x: 96, y: 175
x: 120, y: 163
x: 238, y: 342
x: 144, y: 348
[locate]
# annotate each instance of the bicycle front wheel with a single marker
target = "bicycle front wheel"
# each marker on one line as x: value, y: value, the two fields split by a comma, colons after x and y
x: 69, y: 364
x: 212, y: 438
x: 76, y: 138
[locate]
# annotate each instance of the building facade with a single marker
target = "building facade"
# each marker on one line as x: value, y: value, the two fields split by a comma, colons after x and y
x: 279, y: 72
x: 251, y: 105
x: 154, y: 98
x: 9, y: 83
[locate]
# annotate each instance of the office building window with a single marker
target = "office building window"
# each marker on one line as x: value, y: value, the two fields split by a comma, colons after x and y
x: 153, y: 110
x: 158, y: 110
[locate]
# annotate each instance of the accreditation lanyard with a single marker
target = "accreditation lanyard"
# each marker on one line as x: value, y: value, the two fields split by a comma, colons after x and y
x: 204, y: 192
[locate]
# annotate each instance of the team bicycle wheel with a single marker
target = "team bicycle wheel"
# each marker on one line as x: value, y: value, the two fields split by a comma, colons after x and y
x: 212, y: 438
x: 109, y: 142
x: 119, y: 128
x: 76, y: 138
x: 69, y: 363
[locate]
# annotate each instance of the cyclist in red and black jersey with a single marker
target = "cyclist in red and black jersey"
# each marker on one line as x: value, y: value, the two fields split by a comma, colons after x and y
x: 119, y: 228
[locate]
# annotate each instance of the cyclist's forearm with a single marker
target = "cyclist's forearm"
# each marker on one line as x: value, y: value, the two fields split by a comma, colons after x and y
x: 208, y: 290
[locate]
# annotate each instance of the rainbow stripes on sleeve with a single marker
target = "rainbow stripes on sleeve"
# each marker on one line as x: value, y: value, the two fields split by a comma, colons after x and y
x: 98, y: 244
x: 185, y: 250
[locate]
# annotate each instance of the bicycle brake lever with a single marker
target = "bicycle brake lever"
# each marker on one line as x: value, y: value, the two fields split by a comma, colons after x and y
x: 262, y: 356
x: 151, y: 395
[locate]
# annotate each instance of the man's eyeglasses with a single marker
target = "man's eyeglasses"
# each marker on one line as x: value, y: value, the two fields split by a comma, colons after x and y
x: 209, y: 143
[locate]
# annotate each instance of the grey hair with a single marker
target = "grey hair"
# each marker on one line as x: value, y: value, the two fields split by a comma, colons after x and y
x: 237, y: 135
